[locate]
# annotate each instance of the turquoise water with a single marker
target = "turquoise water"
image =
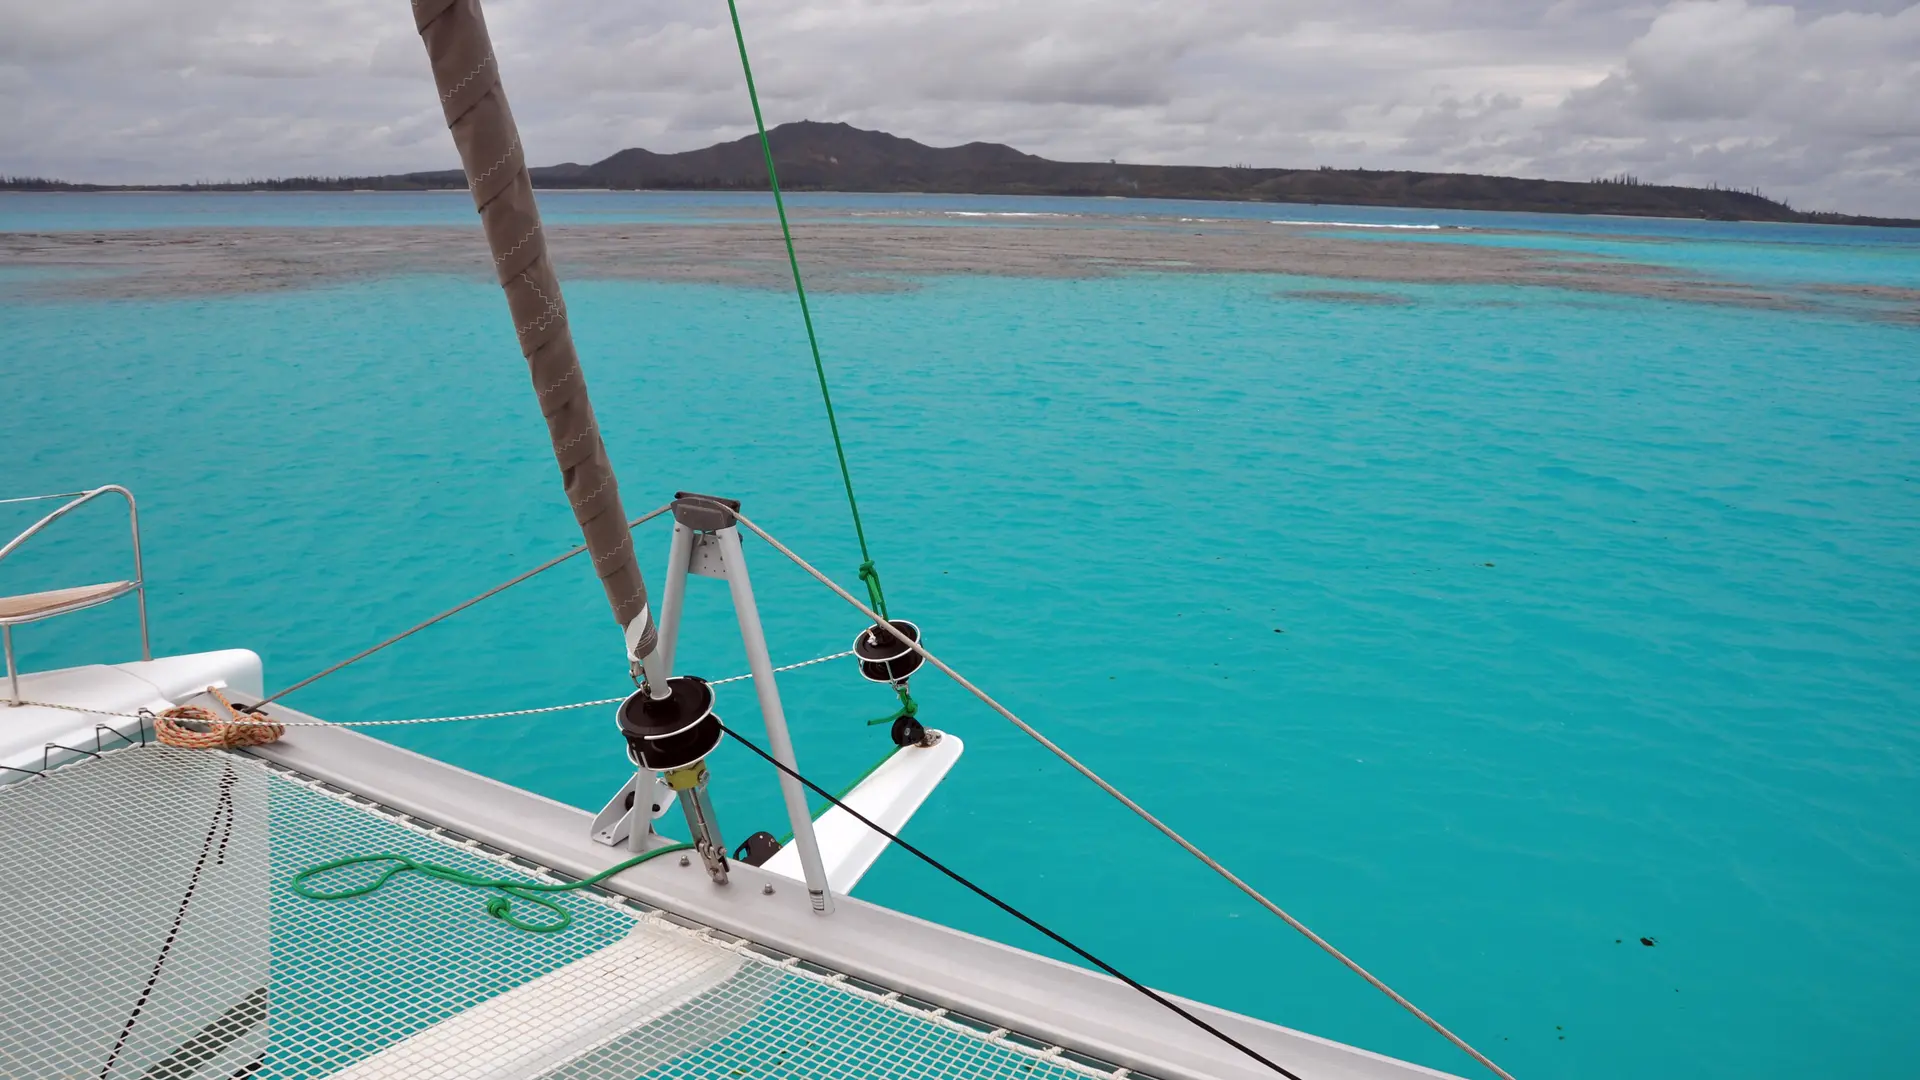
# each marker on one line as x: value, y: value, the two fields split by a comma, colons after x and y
x: 1599, y: 613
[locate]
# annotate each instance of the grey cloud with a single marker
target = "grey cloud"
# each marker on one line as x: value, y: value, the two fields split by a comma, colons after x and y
x: 1726, y: 60
x: 1815, y: 101
x: 1722, y: 89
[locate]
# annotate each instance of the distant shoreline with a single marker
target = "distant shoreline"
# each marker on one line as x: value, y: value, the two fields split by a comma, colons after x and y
x: 838, y: 158
x: 1812, y: 220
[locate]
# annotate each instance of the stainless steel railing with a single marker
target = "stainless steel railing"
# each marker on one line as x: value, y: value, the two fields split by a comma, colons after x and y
x: 77, y: 499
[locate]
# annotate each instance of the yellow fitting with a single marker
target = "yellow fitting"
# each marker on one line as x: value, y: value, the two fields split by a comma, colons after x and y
x: 688, y: 777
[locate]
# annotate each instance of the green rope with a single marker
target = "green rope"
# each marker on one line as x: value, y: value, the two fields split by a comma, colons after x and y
x: 868, y: 574
x: 845, y: 791
x: 908, y: 707
x: 500, y: 907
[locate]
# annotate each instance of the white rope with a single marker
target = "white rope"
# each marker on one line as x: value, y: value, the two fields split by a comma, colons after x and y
x: 804, y: 663
x: 432, y: 719
x: 1210, y: 861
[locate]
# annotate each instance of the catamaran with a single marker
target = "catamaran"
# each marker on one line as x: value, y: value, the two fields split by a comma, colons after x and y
x: 197, y: 880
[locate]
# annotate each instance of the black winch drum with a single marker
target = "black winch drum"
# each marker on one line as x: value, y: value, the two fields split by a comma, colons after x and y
x: 674, y: 731
x: 883, y: 657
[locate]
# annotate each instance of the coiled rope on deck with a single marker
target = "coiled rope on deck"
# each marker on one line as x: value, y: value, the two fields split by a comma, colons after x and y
x: 194, y: 727
x: 500, y: 907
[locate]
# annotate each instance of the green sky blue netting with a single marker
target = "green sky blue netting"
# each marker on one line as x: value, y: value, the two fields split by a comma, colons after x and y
x: 100, y: 861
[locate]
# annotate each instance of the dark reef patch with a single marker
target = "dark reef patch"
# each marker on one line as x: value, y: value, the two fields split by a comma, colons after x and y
x: 882, y: 253
x: 1347, y: 296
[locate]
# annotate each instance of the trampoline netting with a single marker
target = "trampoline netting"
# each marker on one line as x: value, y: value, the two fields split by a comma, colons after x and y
x: 148, y: 932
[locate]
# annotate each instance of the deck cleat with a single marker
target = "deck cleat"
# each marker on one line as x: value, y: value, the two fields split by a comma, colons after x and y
x: 755, y: 850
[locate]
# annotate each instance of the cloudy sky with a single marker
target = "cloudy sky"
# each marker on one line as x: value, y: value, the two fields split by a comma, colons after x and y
x: 1818, y: 101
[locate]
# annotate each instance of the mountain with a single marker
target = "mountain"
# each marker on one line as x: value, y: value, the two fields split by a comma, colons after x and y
x: 814, y: 156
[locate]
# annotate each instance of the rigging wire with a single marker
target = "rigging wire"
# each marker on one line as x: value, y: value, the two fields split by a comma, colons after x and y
x: 1015, y: 912
x: 868, y: 574
x: 1165, y: 830
x: 454, y: 610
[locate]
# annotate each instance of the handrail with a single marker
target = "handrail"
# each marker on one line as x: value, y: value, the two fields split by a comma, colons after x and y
x: 133, y: 522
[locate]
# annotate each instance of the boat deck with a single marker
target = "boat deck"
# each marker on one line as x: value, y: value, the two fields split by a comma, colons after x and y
x: 187, y: 855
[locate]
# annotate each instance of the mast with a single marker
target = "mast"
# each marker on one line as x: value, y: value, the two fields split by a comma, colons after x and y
x: 475, y: 104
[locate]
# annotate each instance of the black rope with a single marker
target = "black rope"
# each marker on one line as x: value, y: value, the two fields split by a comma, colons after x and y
x: 1017, y: 913
x: 222, y: 827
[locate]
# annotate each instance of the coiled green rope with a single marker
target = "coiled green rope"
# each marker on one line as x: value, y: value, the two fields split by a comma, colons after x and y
x: 500, y: 907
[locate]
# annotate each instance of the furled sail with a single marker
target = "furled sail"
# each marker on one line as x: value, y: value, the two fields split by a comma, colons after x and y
x: 468, y: 77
